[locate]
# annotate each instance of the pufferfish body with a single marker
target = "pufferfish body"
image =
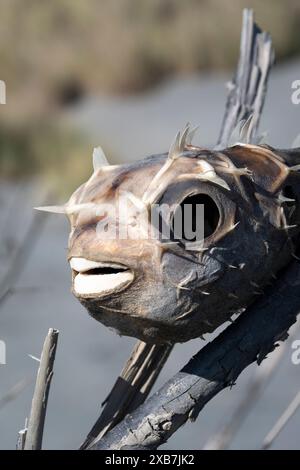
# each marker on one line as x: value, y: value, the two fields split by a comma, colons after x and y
x: 168, y: 289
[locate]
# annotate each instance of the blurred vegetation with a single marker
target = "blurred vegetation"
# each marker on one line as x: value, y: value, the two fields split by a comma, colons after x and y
x: 53, y: 53
x: 58, y: 155
x: 128, y: 45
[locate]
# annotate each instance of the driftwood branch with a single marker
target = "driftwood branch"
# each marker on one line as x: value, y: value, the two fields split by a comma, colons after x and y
x: 21, y: 439
x: 250, y: 338
x: 131, y: 388
x: 248, y: 88
x: 34, y: 432
x: 257, y: 385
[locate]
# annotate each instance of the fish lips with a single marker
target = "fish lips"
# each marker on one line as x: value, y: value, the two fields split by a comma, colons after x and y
x: 98, y: 279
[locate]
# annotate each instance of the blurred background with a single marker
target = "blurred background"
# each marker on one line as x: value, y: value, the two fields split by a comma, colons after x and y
x: 125, y: 74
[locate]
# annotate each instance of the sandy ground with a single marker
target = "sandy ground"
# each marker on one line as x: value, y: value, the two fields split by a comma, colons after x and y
x: 89, y: 356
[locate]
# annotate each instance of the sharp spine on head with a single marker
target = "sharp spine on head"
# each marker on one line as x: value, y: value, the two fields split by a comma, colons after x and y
x: 52, y: 209
x: 246, y: 129
x: 181, y: 141
x: 177, y: 149
x: 282, y: 199
x: 296, y: 142
x: 235, y: 135
x: 99, y: 159
x: 183, y: 137
x: 242, y: 132
x: 191, y: 135
x: 66, y: 209
x: 295, y: 168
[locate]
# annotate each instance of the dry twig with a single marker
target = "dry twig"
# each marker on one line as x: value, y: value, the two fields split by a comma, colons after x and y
x: 131, y: 388
x: 34, y: 434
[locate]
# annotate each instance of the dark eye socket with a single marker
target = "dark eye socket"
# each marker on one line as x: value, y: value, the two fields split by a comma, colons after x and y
x: 187, y: 213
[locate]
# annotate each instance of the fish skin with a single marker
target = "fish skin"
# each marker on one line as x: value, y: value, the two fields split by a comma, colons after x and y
x: 166, y: 303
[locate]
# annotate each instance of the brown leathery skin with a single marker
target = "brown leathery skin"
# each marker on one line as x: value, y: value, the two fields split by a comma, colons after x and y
x: 177, y: 294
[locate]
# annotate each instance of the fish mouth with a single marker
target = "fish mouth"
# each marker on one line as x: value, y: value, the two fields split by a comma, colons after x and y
x: 99, y: 279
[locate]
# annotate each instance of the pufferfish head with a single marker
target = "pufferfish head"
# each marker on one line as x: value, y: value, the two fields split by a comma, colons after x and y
x: 136, y: 272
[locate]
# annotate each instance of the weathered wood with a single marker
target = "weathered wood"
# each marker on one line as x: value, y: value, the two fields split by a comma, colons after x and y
x: 34, y: 434
x: 250, y: 338
x: 131, y: 388
x: 261, y: 377
x: 21, y: 438
x: 248, y: 88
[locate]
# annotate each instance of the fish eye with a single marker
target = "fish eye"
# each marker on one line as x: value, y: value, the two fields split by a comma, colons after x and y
x: 189, y: 212
x: 197, y: 211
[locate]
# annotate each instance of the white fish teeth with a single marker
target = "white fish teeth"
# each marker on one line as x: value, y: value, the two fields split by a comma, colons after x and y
x: 82, y: 265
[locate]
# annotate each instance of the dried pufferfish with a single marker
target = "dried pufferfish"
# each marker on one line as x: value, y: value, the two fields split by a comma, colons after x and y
x: 161, y: 290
